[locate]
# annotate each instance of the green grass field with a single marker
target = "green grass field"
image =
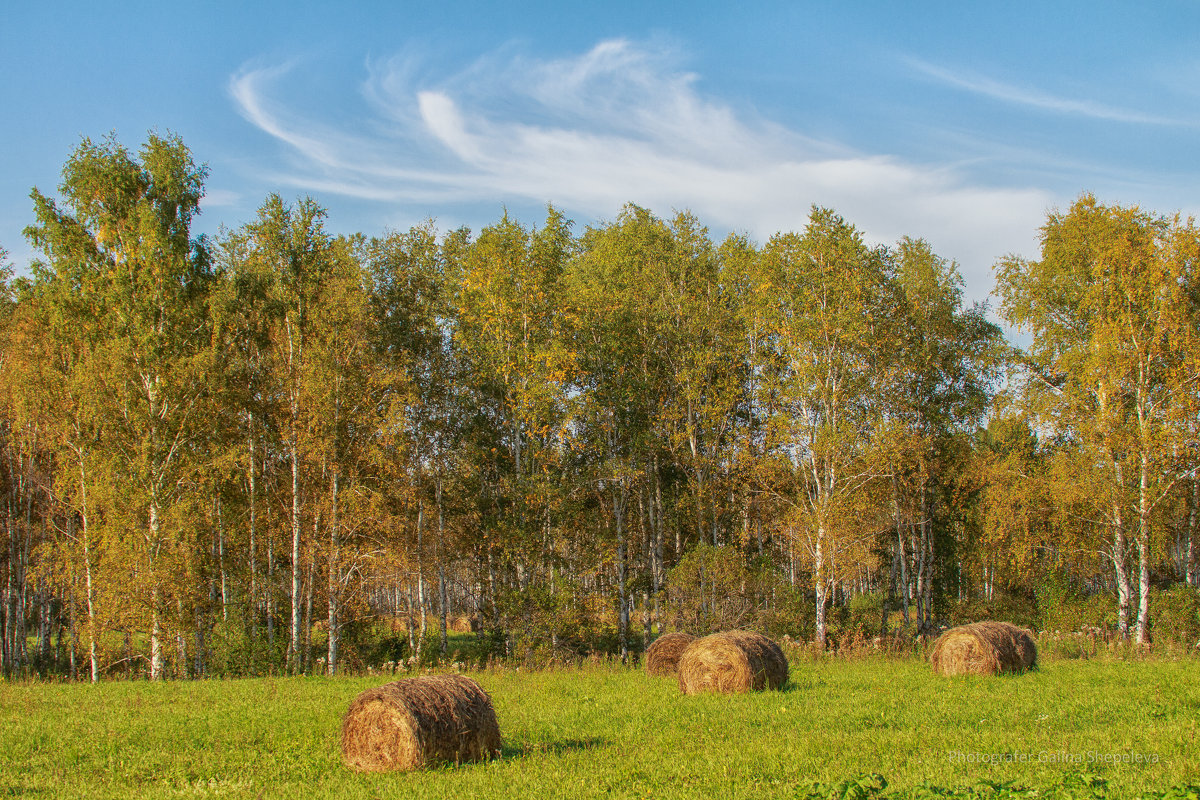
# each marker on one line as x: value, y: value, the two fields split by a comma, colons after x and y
x: 1071, y: 729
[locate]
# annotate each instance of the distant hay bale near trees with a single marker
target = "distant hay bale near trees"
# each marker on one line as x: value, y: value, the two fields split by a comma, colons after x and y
x: 662, y: 656
x: 417, y: 721
x: 984, y: 648
x: 733, y: 661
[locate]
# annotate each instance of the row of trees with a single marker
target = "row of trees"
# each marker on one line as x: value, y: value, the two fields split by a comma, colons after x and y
x: 246, y: 447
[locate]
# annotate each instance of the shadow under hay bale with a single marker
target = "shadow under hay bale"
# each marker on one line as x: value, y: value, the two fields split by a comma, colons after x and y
x: 983, y: 648
x: 733, y: 661
x: 662, y: 657
x: 417, y: 721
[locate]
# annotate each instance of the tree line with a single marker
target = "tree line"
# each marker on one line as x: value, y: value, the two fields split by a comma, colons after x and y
x: 275, y: 449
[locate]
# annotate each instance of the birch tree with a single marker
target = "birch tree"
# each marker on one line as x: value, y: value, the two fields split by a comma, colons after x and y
x: 349, y: 409
x: 618, y: 334
x: 1110, y: 308
x: 506, y: 299
x: 830, y: 292
x: 935, y: 388
x: 410, y: 303
x: 125, y: 232
x: 289, y: 246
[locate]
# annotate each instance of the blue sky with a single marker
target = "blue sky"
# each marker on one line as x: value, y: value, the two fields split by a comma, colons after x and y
x: 962, y: 123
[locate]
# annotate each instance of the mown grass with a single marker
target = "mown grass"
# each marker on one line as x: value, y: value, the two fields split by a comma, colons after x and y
x: 607, y: 731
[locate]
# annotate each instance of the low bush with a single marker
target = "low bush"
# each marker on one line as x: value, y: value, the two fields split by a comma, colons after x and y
x: 1175, y: 618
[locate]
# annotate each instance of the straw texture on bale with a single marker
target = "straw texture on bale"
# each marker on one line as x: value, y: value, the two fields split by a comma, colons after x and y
x: 662, y: 656
x: 733, y: 661
x: 417, y: 721
x: 983, y: 648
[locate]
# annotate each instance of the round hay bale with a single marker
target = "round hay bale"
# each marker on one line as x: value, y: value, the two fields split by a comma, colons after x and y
x: 1025, y: 646
x: 417, y: 721
x: 662, y: 656
x: 734, y: 661
x: 983, y: 648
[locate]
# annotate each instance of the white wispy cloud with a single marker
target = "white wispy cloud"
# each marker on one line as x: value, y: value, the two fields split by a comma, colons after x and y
x: 248, y: 90
x: 622, y: 123
x: 220, y: 198
x: 1008, y: 93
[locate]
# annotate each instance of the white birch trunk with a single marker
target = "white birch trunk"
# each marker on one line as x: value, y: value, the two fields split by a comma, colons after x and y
x: 331, y: 654
x: 156, y: 662
x: 1143, y: 547
x: 1192, y: 568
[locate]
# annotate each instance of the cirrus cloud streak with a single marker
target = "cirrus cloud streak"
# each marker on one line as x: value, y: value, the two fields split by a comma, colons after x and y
x: 621, y: 123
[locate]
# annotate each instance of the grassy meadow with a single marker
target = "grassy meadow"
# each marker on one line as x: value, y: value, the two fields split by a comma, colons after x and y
x: 1070, y: 729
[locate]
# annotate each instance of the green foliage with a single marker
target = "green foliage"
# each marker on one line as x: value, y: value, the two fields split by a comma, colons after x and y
x: 544, y: 626
x: 863, y: 787
x: 1077, y: 613
x: 716, y: 588
x: 1072, y: 786
x: 1175, y: 617
x: 237, y: 650
x: 1039, y: 612
x: 857, y: 620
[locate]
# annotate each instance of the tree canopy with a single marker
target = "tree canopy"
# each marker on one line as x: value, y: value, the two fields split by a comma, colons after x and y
x: 281, y: 449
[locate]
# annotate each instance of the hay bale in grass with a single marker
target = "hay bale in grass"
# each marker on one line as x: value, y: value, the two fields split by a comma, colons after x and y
x: 733, y: 661
x: 1025, y: 646
x: 662, y: 656
x: 983, y: 648
x: 417, y: 721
